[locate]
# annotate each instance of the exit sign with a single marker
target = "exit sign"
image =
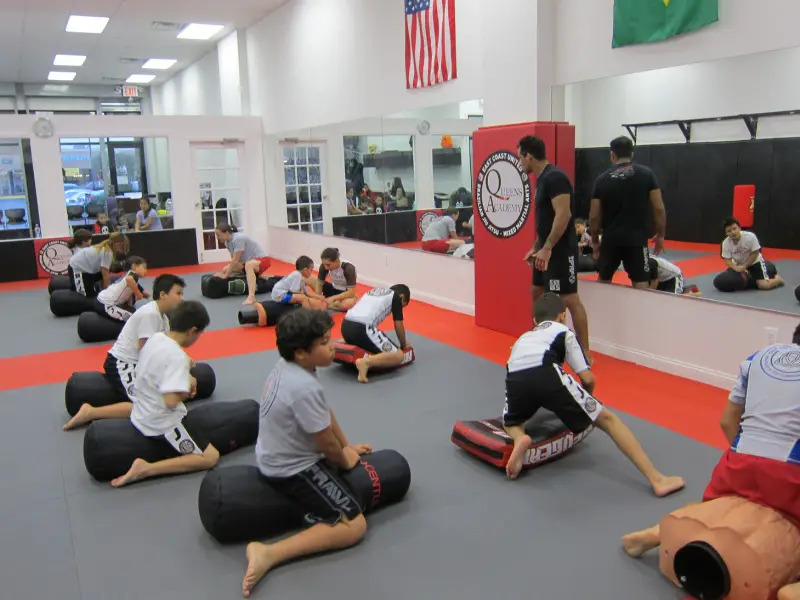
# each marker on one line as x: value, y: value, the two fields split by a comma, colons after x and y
x: 130, y: 91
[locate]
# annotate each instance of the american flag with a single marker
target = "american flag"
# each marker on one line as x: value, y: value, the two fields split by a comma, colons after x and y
x: 430, y: 42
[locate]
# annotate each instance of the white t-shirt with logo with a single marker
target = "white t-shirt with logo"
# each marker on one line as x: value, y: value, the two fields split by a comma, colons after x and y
x: 291, y: 284
x: 375, y: 306
x: 768, y: 387
x: 143, y: 324
x: 163, y: 369
x: 91, y: 259
x: 740, y: 251
x: 118, y: 292
x: 666, y: 270
x: 439, y: 229
x: 547, y: 344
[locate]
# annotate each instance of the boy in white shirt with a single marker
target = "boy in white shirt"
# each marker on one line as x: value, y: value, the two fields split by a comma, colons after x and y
x: 121, y: 360
x: 668, y: 277
x: 741, y: 251
x: 163, y: 382
x: 293, y: 289
x: 117, y: 300
x: 301, y: 449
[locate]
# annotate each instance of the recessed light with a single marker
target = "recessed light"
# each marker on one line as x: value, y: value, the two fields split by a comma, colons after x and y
x: 69, y: 60
x: 78, y: 24
x: 199, y: 31
x: 159, y: 63
x: 140, y: 79
x: 61, y: 75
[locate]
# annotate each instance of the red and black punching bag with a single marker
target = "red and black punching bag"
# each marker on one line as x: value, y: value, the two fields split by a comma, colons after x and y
x: 744, y: 200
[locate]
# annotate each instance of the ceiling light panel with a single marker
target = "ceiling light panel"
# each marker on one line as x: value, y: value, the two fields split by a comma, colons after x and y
x: 61, y: 75
x: 80, y: 24
x: 199, y: 31
x: 140, y: 78
x: 69, y: 60
x: 159, y: 63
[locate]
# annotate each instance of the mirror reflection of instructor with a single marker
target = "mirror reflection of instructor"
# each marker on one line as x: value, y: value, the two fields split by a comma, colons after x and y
x: 554, y: 256
x: 622, y: 202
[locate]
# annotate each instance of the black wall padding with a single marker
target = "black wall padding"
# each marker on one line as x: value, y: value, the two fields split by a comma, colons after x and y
x: 697, y: 182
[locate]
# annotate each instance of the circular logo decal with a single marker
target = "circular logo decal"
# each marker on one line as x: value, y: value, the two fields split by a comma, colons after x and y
x: 503, y: 193
x: 387, y: 347
x: 782, y: 362
x: 425, y: 220
x: 186, y: 447
x: 380, y: 292
x: 54, y: 257
x: 591, y: 405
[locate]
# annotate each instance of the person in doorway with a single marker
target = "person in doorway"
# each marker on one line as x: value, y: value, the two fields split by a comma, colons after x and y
x: 741, y: 251
x: 91, y: 265
x: 246, y: 255
x: 340, y: 292
x: 668, y: 277
x: 623, y: 199
x: 163, y: 382
x: 122, y: 358
x: 117, y: 300
x: 554, y: 256
x: 147, y: 218
x: 535, y: 379
x: 293, y: 289
x: 441, y: 236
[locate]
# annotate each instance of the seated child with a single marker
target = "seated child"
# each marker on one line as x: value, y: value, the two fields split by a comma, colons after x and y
x: 441, y: 236
x: 292, y: 288
x: 163, y: 382
x: 103, y: 224
x: 117, y: 300
x: 121, y: 359
x: 741, y: 251
x: 762, y: 425
x: 668, y: 277
x: 360, y: 328
x: 340, y: 293
x: 586, y: 261
x: 301, y: 449
x: 536, y: 380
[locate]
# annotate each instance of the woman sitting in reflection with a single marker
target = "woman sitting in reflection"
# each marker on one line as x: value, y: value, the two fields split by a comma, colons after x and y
x: 147, y: 218
x: 352, y: 207
x: 668, y: 277
x: 398, y: 195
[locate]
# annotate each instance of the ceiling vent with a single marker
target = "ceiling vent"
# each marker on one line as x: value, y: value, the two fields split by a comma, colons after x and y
x: 131, y: 61
x: 116, y: 79
x: 166, y: 26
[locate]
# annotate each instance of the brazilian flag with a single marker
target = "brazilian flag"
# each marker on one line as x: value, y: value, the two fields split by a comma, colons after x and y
x: 645, y: 21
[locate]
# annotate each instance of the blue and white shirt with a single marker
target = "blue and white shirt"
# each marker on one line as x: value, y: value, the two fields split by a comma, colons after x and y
x: 769, y: 389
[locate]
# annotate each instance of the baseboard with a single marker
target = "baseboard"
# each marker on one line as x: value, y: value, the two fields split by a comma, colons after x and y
x: 665, y: 364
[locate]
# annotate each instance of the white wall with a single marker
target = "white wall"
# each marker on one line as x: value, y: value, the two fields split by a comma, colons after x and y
x: 584, y: 30
x: 193, y: 91
x: 315, y: 62
x: 763, y: 82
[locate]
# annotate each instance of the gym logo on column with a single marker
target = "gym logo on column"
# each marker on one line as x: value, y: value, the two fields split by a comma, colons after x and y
x: 54, y: 257
x: 503, y: 193
x: 425, y: 220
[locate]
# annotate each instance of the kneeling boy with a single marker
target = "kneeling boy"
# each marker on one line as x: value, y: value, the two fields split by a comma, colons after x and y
x: 301, y: 449
x: 163, y: 382
x: 360, y: 328
x: 536, y: 380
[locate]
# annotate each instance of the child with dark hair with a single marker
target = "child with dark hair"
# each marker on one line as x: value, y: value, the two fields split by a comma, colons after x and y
x: 301, y: 449
x: 122, y: 358
x: 103, y: 224
x: 535, y: 379
x: 441, y: 236
x: 293, y: 289
x: 117, y: 300
x: 360, y: 328
x: 163, y: 382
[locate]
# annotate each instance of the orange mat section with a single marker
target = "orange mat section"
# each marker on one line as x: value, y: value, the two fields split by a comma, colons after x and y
x: 682, y: 405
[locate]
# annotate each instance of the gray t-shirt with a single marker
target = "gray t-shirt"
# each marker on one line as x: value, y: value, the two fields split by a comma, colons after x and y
x: 249, y: 247
x: 440, y: 229
x: 293, y: 409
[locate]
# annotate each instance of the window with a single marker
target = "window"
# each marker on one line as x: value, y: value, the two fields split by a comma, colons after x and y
x: 452, y: 171
x: 380, y: 168
x: 19, y: 215
x: 302, y: 170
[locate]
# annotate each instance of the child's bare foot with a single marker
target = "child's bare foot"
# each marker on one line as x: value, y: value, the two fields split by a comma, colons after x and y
x: 259, y: 562
x: 82, y: 417
x: 514, y: 465
x: 248, y: 301
x: 789, y: 592
x: 639, y: 542
x: 668, y: 485
x: 363, y: 369
x: 137, y: 471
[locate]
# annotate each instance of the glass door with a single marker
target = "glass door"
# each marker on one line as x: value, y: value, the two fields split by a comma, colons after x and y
x: 219, y: 195
x: 303, y: 184
x: 126, y: 166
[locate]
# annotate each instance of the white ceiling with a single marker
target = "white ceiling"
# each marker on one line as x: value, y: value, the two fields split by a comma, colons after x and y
x: 32, y: 33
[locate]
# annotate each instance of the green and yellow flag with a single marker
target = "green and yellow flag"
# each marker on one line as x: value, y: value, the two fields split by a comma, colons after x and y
x: 645, y: 21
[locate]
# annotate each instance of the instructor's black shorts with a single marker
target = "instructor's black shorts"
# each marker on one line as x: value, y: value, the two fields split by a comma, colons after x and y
x: 633, y: 258
x: 320, y: 493
x: 549, y: 387
x: 561, y: 275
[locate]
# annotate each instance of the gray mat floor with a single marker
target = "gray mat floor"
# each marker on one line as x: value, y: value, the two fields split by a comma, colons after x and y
x: 463, y: 532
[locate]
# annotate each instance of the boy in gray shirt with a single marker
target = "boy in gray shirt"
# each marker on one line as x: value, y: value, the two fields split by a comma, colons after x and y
x: 301, y: 448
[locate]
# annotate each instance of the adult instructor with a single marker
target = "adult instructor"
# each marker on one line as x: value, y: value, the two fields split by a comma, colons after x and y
x: 554, y: 256
x: 626, y: 203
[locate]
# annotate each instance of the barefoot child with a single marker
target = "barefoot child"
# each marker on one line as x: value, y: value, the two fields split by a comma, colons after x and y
x: 360, y: 328
x: 117, y: 300
x: 301, y: 449
x: 124, y: 354
x: 163, y: 382
x: 536, y: 380
x: 293, y: 289
x: 246, y: 255
x: 340, y: 293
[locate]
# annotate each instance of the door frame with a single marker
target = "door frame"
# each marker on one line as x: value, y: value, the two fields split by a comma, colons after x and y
x: 138, y: 146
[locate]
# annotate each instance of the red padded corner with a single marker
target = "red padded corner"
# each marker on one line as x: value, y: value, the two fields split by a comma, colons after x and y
x: 348, y: 354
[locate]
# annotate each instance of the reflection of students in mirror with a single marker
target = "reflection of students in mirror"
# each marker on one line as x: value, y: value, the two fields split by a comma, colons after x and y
x: 352, y: 207
x: 668, y: 277
x: 741, y: 251
x: 147, y: 218
x: 398, y: 195
x: 441, y: 236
